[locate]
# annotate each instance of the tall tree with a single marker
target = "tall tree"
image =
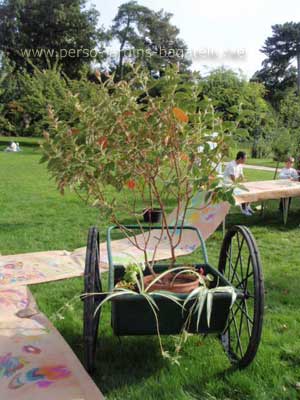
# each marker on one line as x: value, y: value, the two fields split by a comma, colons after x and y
x: 42, y: 30
x: 281, y: 49
x: 125, y: 30
x: 5, y: 82
x: 277, y: 81
x: 147, y: 37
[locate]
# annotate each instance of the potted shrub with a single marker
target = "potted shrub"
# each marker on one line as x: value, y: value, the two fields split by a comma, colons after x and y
x: 124, y: 149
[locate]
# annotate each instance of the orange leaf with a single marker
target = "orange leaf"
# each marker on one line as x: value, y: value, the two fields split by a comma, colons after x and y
x: 127, y: 113
x: 180, y: 115
x: 148, y: 114
x: 75, y: 131
x: 97, y: 74
x: 103, y: 142
x: 185, y: 157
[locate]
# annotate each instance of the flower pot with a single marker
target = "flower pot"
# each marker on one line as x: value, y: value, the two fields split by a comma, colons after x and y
x: 152, y: 215
x: 183, y: 283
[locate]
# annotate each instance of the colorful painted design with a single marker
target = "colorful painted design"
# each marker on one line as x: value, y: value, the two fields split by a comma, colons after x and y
x: 16, y: 382
x: 13, y: 297
x: 13, y: 266
x: 43, y: 377
x: 18, y: 275
x: 31, y: 349
x: 10, y: 364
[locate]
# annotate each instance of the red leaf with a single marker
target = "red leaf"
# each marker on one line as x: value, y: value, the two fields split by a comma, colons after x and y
x: 131, y: 184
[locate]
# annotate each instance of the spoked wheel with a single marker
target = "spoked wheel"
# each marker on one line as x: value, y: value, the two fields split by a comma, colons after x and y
x: 91, y: 298
x: 240, y: 264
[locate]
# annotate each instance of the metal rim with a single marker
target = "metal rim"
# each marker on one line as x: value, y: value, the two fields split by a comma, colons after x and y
x: 92, y: 284
x: 240, y: 263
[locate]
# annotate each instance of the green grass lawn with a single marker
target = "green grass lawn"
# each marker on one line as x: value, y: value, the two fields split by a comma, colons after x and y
x: 264, y: 162
x: 35, y: 217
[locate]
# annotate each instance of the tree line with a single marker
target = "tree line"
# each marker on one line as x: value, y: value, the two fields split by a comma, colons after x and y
x: 67, y: 36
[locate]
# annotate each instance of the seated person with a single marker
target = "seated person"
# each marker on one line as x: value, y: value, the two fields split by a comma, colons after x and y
x: 234, y: 173
x: 12, y: 148
x: 288, y: 172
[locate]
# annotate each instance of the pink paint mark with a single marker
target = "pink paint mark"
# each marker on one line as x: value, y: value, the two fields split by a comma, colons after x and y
x: 31, y: 349
x: 43, y: 384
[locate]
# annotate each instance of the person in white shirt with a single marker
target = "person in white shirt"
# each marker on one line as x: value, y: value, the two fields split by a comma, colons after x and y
x: 234, y: 173
x: 12, y: 148
x: 288, y: 172
x: 234, y: 169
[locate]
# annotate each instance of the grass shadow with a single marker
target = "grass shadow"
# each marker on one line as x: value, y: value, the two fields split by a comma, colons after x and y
x: 120, y: 362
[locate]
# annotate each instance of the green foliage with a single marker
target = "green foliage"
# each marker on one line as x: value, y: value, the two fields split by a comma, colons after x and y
x: 27, y: 97
x: 237, y: 99
x: 290, y: 110
x: 289, y: 116
x: 277, y: 81
x: 59, y: 26
x: 282, y: 144
x: 8, y: 90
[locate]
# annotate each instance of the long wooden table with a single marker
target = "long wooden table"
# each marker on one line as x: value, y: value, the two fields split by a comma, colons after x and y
x: 268, y: 190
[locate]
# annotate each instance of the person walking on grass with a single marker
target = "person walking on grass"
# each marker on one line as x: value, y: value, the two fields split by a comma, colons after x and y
x: 234, y: 173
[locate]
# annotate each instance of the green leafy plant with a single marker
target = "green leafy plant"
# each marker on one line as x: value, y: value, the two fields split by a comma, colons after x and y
x: 123, y: 140
x: 130, y: 277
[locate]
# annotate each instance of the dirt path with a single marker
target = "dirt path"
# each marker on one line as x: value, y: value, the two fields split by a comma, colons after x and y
x: 258, y: 167
x: 261, y: 168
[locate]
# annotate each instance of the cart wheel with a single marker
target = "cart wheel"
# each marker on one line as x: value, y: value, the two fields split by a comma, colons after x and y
x: 240, y: 264
x: 92, y: 284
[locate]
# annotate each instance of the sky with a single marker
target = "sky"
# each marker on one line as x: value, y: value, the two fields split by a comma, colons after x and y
x: 219, y: 32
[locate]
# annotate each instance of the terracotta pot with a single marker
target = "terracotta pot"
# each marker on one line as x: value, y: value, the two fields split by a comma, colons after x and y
x: 184, y: 283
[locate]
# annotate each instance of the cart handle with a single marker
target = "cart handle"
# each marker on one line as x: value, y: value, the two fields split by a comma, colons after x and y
x: 132, y: 227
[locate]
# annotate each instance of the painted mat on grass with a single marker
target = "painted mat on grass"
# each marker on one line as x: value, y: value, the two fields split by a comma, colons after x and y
x: 35, y: 361
x: 29, y: 268
x: 24, y: 269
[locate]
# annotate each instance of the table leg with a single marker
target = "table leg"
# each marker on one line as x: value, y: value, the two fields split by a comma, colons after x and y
x: 285, y: 209
x: 262, y: 210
